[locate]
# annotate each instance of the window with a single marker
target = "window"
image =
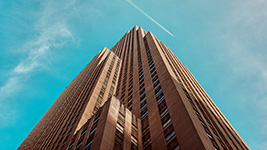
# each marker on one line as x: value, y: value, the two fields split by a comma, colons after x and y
x: 143, y: 107
x: 142, y: 94
x: 129, y: 103
x: 141, y: 81
x: 72, y: 125
x: 142, y: 88
x: 164, y: 113
x: 134, y: 132
x: 152, y: 69
x: 153, y: 73
x: 121, y: 118
x: 131, y: 96
x: 119, y: 134
x: 134, y: 121
x: 159, y: 92
x: 142, y: 85
x: 140, y: 69
x: 117, y: 146
x: 97, y: 105
x: 173, y: 145
x: 158, y: 89
x: 162, y: 106
x: 79, y: 144
x: 140, y: 72
x: 88, y: 146
x: 141, y: 76
x: 154, y: 77
x: 156, y: 85
x: 154, y: 82
x: 120, y: 128
x: 71, y: 144
x: 83, y: 132
x: 92, y: 131
x: 146, y: 137
x: 148, y: 146
x: 160, y: 99
x: 143, y: 100
x: 134, y: 140
x: 169, y: 136
x: 105, y: 82
x: 68, y: 133
x: 209, y: 136
x: 133, y: 146
x: 144, y: 115
x: 99, y: 99
x: 167, y: 124
x: 151, y: 64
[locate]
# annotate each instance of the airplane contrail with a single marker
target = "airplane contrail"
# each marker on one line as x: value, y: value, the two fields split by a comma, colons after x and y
x: 150, y: 18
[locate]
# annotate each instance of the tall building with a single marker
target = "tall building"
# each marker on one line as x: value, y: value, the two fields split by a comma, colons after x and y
x: 138, y: 95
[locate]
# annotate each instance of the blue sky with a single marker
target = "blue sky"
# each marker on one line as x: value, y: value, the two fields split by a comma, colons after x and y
x: 45, y: 44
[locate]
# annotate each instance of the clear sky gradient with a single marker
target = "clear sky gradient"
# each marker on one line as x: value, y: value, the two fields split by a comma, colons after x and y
x: 44, y: 44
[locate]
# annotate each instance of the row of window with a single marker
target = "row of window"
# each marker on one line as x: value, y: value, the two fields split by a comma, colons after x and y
x: 203, y: 94
x: 203, y: 122
x: 130, y: 86
x: 143, y: 104
x: 121, y: 46
x: 83, y: 134
x: 118, y: 47
x: 111, y: 92
x: 125, y: 77
x: 104, y: 86
x: 178, y: 78
x: 170, y: 136
x: 119, y: 135
x: 66, y: 130
x: 134, y: 134
x: 169, y: 59
x: 71, y: 124
x: 92, y: 131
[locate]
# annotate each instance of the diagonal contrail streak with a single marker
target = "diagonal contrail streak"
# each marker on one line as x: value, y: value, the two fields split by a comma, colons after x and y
x: 150, y: 18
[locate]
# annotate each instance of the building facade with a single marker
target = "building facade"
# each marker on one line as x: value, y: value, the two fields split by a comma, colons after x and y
x: 137, y: 95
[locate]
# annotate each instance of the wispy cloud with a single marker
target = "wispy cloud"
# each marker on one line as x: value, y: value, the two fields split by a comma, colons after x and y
x: 7, y: 111
x: 245, y: 40
x: 40, y: 48
x: 51, y: 28
x: 52, y: 32
x: 247, y: 43
x: 149, y: 17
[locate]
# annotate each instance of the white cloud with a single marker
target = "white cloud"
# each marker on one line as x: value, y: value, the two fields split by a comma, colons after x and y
x: 7, y: 116
x: 245, y: 41
x: 11, y: 85
x: 39, y: 49
x: 248, y: 43
x: 52, y: 32
x: 7, y: 111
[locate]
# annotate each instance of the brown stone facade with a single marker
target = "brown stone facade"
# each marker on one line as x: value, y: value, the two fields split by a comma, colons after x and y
x: 113, y: 126
x: 138, y: 95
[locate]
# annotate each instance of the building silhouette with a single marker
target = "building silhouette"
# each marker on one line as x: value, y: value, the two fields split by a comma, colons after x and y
x: 138, y: 95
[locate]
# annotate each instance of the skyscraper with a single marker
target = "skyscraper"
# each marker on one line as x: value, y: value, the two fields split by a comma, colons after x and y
x: 138, y: 95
